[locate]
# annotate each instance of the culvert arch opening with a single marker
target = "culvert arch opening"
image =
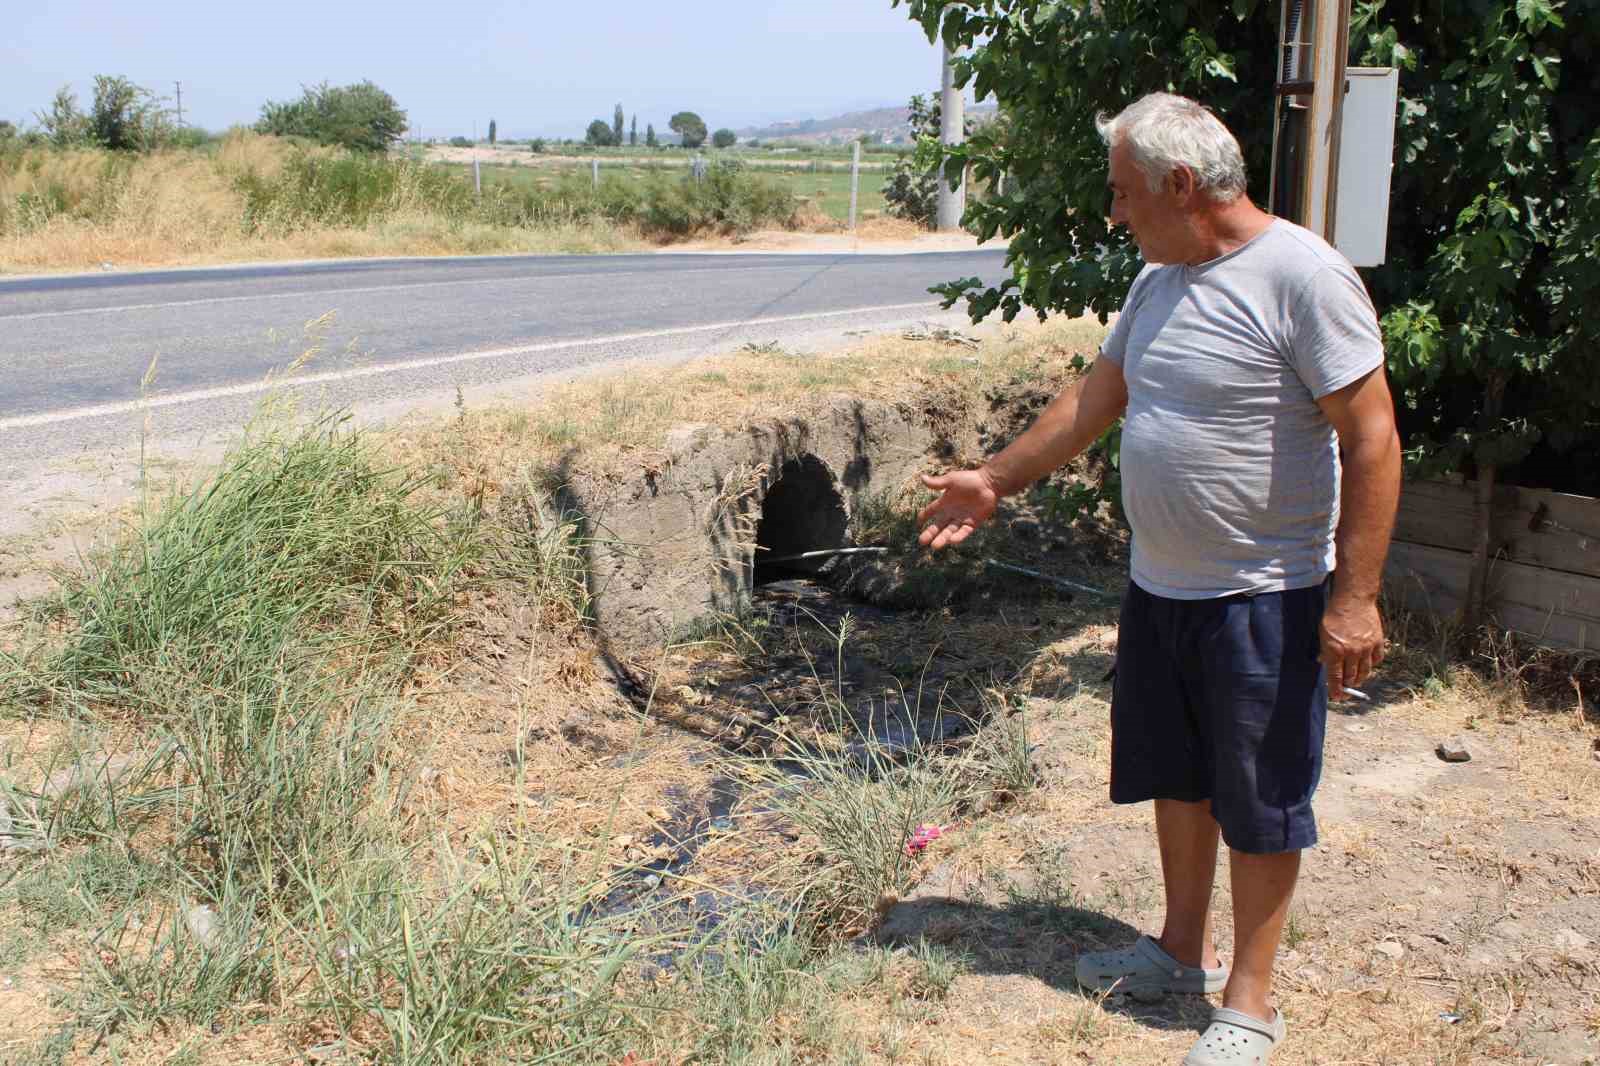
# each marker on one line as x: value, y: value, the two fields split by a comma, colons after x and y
x: 802, y: 512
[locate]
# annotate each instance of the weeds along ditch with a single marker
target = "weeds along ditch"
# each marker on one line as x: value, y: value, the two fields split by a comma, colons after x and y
x: 852, y: 727
x: 207, y: 808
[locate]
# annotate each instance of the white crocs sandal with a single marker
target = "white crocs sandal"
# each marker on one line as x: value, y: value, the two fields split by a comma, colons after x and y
x: 1146, y: 972
x: 1236, y: 1039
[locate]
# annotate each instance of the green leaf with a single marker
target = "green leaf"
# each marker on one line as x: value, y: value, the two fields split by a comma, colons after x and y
x: 1470, y: 284
x: 953, y: 170
x: 1545, y: 74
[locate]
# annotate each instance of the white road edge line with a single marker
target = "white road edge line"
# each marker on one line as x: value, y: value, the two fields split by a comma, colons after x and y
x: 49, y: 418
x: 324, y: 294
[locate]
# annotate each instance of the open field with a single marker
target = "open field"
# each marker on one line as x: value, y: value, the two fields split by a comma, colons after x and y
x: 387, y: 796
x: 821, y: 158
x: 827, y: 190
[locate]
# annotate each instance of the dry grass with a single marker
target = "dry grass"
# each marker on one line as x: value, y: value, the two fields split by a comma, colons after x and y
x: 166, y: 205
x: 185, y: 207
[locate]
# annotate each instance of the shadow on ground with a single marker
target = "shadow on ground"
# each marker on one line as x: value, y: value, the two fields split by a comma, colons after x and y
x: 1035, y: 938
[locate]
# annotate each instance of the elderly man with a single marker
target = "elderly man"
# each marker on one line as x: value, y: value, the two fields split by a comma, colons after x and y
x: 1247, y: 357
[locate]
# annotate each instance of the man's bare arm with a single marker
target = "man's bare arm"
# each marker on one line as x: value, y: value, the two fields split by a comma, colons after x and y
x: 1071, y: 423
x: 1362, y: 413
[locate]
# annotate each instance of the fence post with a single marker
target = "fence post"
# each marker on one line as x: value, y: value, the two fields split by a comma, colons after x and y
x: 855, y: 182
x: 596, y: 163
x: 477, y: 176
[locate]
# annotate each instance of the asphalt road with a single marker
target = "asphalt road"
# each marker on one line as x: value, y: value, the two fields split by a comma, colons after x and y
x: 88, y: 357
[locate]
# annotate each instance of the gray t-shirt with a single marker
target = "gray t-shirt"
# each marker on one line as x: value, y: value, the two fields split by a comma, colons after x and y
x: 1230, y: 470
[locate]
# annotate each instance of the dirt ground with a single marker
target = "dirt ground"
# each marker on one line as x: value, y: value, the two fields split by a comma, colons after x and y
x: 1449, y: 915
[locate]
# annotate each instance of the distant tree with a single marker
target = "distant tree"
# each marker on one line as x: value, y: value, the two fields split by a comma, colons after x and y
x: 599, y: 134
x: 724, y: 138
x: 64, y: 124
x: 633, y: 132
x: 491, y: 131
x: 361, y: 117
x: 912, y: 188
x: 124, y: 116
x: 690, y: 128
x: 650, y: 136
x: 616, y: 125
x: 127, y: 117
x: 459, y: 141
x: 8, y: 130
x: 536, y: 146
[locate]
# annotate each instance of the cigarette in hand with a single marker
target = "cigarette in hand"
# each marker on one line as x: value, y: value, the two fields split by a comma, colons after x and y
x: 1355, y: 693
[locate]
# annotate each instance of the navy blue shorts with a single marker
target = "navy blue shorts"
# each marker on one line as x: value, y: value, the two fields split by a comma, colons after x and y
x: 1223, y: 700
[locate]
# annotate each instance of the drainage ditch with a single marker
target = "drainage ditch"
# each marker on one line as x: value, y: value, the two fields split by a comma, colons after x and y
x: 760, y: 528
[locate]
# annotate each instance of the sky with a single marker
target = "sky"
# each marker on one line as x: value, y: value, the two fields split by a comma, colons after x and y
x: 538, y: 68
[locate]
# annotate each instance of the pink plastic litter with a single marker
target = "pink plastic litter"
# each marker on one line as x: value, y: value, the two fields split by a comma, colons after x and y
x: 923, y: 836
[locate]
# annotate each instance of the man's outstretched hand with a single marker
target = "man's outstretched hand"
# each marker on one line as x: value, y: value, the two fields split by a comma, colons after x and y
x: 967, y: 500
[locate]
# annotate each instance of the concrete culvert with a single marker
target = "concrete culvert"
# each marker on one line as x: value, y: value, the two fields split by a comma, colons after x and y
x: 801, y: 512
x: 671, y: 532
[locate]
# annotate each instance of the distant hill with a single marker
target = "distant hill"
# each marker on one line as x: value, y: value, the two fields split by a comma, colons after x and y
x: 892, y: 125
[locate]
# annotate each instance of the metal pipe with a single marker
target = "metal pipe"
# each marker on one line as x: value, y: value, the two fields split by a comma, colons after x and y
x: 822, y: 554
x: 1061, y: 581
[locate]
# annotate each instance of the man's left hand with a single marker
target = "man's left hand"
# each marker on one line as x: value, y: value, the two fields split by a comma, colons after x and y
x: 1352, y: 643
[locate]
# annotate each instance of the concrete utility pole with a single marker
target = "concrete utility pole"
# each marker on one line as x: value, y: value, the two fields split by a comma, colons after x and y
x: 1314, y: 38
x: 952, y: 130
x: 1330, y: 43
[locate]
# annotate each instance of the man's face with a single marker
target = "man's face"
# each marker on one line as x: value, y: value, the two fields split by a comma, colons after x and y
x: 1153, y: 218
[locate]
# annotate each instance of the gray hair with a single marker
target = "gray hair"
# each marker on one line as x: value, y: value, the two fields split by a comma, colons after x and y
x: 1165, y: 132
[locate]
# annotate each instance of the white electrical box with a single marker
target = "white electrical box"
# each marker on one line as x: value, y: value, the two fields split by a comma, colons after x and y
x: 1366, y: 158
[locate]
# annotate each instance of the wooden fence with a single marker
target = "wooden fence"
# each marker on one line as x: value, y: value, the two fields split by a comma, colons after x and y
x: 1544, y: 578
